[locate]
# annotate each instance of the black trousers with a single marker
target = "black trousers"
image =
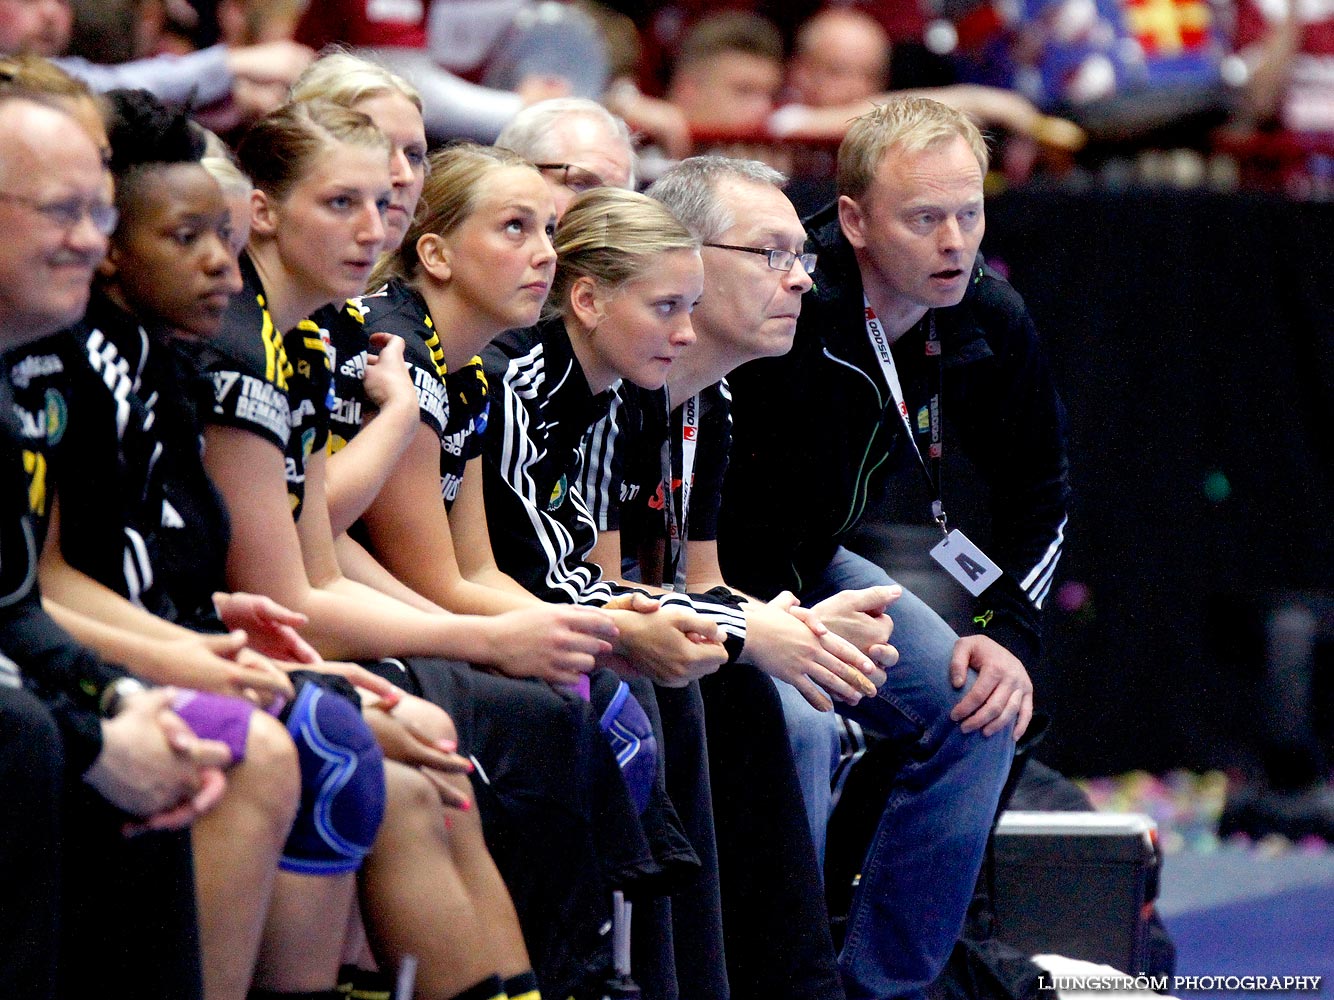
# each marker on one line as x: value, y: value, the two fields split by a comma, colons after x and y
x: 774, y: 915
x: 31, y: 765
x: 697, y: 908
x: 84, y: 910
x: 129, y: 927
x: 753, y: 924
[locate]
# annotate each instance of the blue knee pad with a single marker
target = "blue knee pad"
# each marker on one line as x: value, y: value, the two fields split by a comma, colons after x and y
x: 342, y: 785
x: 632, y: 740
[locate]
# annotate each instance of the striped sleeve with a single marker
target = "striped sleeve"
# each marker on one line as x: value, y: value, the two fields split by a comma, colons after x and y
x: 1037, y: 583
x: 603, y: 469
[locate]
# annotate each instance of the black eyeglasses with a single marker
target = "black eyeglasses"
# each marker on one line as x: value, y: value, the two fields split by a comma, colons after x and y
x: 779, y: 260
x: 68, y: 214
x: 574, y: 177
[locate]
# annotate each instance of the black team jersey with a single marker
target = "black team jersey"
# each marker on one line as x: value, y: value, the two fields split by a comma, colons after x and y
x: 626, y: 455
x: 34, y: 418
x: 278, y: 386
x: 138, y: 513
x: 455, y: 405
x: 542, y: 530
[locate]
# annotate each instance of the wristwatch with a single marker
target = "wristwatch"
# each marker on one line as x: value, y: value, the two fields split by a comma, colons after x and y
x: 115, y: 693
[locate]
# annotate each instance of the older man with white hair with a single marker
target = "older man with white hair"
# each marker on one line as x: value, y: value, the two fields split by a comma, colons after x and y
x: 576, y: 143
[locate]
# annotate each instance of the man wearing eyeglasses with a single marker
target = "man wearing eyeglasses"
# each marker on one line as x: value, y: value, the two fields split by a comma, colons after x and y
x: 576, y: 144
x: 63, y: 210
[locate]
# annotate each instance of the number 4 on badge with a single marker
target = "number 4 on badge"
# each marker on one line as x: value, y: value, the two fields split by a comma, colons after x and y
x: 964, y: 561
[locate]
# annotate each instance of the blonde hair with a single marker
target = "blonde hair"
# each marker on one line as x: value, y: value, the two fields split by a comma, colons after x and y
x: 228, y: 175
x: 280, y: 148
x: 454, y: 178
x: 612, y: 236
x: 912, y: 124
x: 221, y: 165
x: 346, y: 80
x: 33, y: 75
x: 41, y: 75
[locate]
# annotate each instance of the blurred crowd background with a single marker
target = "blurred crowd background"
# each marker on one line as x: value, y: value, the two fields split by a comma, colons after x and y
x: 1195, y: 93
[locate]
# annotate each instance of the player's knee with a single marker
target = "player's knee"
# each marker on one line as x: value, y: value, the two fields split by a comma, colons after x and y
x: 342, y: 785
x: 408, y: 792
x: 446, y: 728
x: 272, y: 756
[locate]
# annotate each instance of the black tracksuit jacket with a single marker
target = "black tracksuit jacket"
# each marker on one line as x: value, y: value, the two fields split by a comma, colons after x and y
x: 816, y: 433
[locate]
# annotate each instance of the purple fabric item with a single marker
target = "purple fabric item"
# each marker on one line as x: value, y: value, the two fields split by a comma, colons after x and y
x: 632, y: 740
x: 216, y: 717
x: 580, y: 688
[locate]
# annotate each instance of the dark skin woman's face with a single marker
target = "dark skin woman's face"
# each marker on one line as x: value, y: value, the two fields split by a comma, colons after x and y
x: 171, y: 259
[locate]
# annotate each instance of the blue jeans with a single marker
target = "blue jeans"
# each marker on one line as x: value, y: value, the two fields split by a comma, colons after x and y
x: 923, y: 861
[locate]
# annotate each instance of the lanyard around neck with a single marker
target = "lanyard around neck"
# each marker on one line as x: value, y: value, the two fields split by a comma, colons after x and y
x: 930, y: 463
x: 678, y: 520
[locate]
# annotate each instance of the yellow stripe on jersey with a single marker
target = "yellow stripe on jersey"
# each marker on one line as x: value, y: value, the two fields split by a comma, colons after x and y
x: 277, y: 369
x: 317, y: 342
x: 34, y: 464
x: 433, y: 344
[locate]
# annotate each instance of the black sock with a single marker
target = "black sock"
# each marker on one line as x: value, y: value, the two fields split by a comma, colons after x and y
x: 522, y: 987
x: 362, y: 984
x: 488, y: 989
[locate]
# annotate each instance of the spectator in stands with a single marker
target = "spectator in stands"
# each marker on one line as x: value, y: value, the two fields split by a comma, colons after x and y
x: 1288, y: 47
x: 251, y: 78
x: 841, y: 55
x: 730, y: 69
x: 577, y: 144
x: 253, y: 22
x: 475, y: 65
x: 121, y: 917
x: 728, y: 72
